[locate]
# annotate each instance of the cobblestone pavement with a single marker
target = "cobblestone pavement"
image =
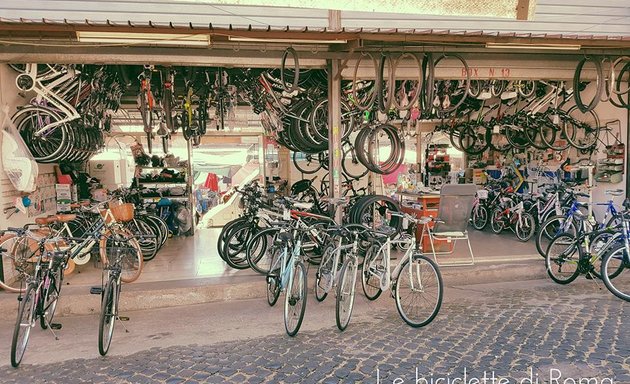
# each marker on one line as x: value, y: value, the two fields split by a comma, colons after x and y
x: 574, y: 331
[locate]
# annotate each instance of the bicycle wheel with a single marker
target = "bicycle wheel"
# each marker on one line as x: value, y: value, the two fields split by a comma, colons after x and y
x: 273, y: 289
x: 108, y: 316
x: 373, y: 271
x: 14, y: 266
x: 552, y: 227
x: 116, y: 243
x: 525, y: 227
x: 308, y: 165
x: 418, y: 290
x: 480, y: 217
x: 562, y: 258
x: 496, y: 223
x: 146, y: 238
x: 261, y: 250
x: 581, y: 129
x: 235, y: 246
x: 51, y: 293
x: 600, y: 245
x: 345, y: 293
x: 295, y: 299
x: 615, y: 263
x: 325, y: 273
x: 27, y: 315
x: 225, y: 232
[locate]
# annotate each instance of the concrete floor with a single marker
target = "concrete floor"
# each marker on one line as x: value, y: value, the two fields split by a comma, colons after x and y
x: 184, y: 258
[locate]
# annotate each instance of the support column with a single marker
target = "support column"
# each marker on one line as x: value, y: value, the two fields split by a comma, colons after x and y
x: 334, y: 132
x: 189, y: 187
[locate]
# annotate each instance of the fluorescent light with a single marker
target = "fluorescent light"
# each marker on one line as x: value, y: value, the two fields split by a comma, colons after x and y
x: 287, y: 41
x: 555, y: 47
x: 198, y: 40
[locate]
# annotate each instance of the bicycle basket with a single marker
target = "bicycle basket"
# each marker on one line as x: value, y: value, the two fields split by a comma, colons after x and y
x: 122, y: 212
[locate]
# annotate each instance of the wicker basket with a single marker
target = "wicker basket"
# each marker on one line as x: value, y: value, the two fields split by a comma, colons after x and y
x: 123, y: 212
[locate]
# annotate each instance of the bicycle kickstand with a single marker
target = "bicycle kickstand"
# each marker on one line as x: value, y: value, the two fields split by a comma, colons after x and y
x: 52, y: 326
x: 122, y: 320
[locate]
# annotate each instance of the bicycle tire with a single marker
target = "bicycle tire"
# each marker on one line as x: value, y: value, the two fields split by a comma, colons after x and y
x: 419, y: 86
x: 470, y: 146
x: 372, y: 97
x: 428, y: 69
x: 273, y: 290
x: 496, y: 222
x: 526, y: 231
x: 28, y: 312
x: 225, y: 231
x: 107, y: 318
x: 262, y: 261
x: 479, y: 217
x: 385, y: 95
x: 235, y: 247
x: 325, y: 272
x: 435, y: 303
x: 347, y: 169
x: 295, y: 300
x: 543, y: 235
x: 599, y: 84
x: 132, y: 261
x: 456, y: 105
x: 305, y: 170
x: 516, y: 136
x: 610, y: 271
x: 562, y: 252
x: 11, y: 281
x: 49, y: 303
x: 589, y: 140
x: 370, y: 282
x: 296, y: 77
x: 345, y: 293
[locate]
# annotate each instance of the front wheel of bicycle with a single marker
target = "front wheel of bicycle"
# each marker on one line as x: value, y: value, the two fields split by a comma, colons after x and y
x: 480, y: 217
x: 345, y: 293
x: 295, y: 299
x: 120, y: 243
x: 25, y: 320
x: 525, y: 227
x: 614, y: 264
x: 325, y: 273
x: 108, y: 316
x: 562, y: 260
x: 51, y: 297
x: 418, y: 290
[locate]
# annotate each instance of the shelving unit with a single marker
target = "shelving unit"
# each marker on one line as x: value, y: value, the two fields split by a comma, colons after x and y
x: 188, y: 197
x: 610, y: 169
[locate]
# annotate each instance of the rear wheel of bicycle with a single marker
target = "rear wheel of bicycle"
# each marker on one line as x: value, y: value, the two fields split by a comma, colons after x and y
x: 345, y: 293
x: 26, y: 318
x: 516, y: 136
x: 225, y: 232
x: 14, y: 266
x: 600, y: 245
x: 146, y: 238
x: 108, y: 317
x: 418, y: 290
x: 525, y: 227
x: 550, y: 228
x: 273, y: 289
x: 262, y: 250
x: 308, y: 165
x: 325, y: 273
x: 615, y: 272
x: 235, y: 247
x: 372, y: 271
x: 295, y: 300
x: 51, y: 298
x: 480, y: 217
x: 562, y: 258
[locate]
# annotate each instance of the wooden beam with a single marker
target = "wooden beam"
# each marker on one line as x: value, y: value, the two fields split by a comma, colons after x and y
x: 522, y: 10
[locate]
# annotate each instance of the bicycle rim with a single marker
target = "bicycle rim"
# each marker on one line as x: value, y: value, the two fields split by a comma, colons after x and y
x: 345, y: 293
x: 419, y: 291
x: 25, y: 319
x: 108, y: 317
x: 615, y: 273
x: 562, y: 259
x: 295, y: 300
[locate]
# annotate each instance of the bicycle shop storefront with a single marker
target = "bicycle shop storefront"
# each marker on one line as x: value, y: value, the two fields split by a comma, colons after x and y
x: 368, y: 122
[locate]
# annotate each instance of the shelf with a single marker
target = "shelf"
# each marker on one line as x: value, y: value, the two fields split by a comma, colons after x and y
x: 156, y: 199
x: 163, y: 182
x: 159, y: 168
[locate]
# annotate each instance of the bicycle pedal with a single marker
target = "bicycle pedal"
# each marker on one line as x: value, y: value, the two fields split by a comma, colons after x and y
x: 123, y: 318
x: 55, y: 326
x: 96, y: 290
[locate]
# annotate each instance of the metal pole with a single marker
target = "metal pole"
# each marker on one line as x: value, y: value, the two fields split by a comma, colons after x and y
x: 334, y: 133
x: 189, y: 184
x: 626, y: 150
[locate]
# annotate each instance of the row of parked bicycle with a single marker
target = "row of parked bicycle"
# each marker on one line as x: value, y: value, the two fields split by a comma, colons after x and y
x: 36, y: 257
x: 566, y: 232
x: 280, y: 239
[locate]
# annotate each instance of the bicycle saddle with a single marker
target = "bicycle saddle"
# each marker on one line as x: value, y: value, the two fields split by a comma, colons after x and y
x: 285, y: 236
x: 45, y: 220
x: 66, y: 217
x: 580, y: 215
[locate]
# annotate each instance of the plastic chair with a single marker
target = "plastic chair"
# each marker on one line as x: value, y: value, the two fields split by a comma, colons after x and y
x: 451, y: 223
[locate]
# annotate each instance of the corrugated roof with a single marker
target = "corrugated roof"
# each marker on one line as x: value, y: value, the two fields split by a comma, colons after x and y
x: 582, y: 19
